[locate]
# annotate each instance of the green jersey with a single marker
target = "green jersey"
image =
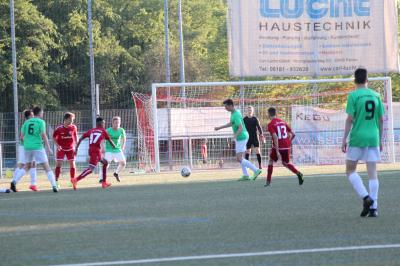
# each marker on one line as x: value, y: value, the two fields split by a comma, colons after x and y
x: 237, y: 120
x: 366, y: 108
x: 32, y: 130
x: 116, y: 136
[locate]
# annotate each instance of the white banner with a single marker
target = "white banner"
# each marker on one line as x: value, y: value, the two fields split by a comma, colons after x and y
x: 312, y: 37
x: 193, y: 122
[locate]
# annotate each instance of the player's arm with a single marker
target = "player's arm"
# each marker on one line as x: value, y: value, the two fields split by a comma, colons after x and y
x: 347, y: 128
x: 55, y: 139
x: 224, y: 126
x: 260, y: 131
x: 108, y: 138
x: 239, y: 131
x: 276, y: 145
x: 46, y: 142
x: 291, y: 133
x: 84, y: 136
x: 123, y: 141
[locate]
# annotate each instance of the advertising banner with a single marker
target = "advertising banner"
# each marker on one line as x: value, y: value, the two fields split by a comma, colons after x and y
x: 312, y: 37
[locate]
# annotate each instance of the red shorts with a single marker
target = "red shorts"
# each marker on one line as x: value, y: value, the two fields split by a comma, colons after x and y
x: 94, y: 157
x: 285, y: 154
x: 70, y: 154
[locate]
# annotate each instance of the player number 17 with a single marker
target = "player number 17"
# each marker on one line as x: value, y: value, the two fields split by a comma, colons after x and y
x: 94, y: 137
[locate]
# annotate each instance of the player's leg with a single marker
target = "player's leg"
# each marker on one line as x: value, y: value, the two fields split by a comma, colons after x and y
x: 92, y: 164
x: 248, y: 150
x: 19, y: 171
x: 109, y: 158
x: 353, y: 155
x: 41, y: 158
x: 104, y: 183
x: 71, y: 159
x: 285, y: 155
x: 245, y: 174
x: 240, y: 149
x: 59, y: 160
x: 120, y: 157
x: 258, y: 154
x: 32, y: 173
x: 373, y: 157
x: 5, y: 190
x: 273, y: 157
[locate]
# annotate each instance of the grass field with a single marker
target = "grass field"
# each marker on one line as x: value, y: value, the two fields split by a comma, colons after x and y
x: 223, y: 222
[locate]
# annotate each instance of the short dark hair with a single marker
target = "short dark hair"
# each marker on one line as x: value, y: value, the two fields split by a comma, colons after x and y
x: 228, y: 102
x: 99, y: 120
x: 37, y: 110
x: 360, y: 76
x: 68, y: 115
x: 27, y: 113
x: 272, y: 111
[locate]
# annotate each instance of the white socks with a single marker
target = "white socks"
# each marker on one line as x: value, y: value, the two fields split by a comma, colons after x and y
x: 52, y: 178
x: 119, y: 168
x: 18, y: 174
x: 32, y: 173
x: 358, y: 185
x: 373, y: 191
x: 247, y: 164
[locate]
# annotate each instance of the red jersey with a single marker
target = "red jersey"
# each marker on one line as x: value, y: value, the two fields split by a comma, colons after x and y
x: 66, y: 137
x: 96, y: 137
x: 282, y: 130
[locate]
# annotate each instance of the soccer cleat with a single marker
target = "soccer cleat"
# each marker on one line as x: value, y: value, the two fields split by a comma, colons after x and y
x: 33, y: 188
x: 373, y: 213
x: 74, y: 182
x: 13, y: 187
x: 100, y: 181
x: 366, y: 205
x: 117, y: 176
x: 301, y: 178
x: 7, y: 191
x: 244, y: 178
x: 105, y: 185
x: 256, y: 174
x: 267, y: 184
x: 55, y: 189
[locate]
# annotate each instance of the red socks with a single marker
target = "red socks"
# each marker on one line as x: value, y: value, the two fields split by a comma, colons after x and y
x: 57, y: 172
x: 84, y: 174
x: 292, y: 168
x: 105, y: 172
x: 269, y: 173
x: 72, y: 172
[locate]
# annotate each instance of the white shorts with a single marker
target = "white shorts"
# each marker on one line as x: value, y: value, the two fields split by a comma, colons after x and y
x: 39, y: 156
x: 367, y: 154
x: 21, y: 155
x: 115, y: 156
x: 241, y: 146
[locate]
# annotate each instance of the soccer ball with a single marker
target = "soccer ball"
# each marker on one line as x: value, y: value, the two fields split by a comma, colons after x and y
x: 185, y: 171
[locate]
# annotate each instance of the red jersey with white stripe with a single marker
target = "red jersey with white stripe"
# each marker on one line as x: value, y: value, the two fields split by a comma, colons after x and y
x: 96, y: 137
x: 66, y: 137
x: 282, y: 130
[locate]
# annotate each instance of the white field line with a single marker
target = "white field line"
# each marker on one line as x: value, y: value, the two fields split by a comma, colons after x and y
x: 235, y: 255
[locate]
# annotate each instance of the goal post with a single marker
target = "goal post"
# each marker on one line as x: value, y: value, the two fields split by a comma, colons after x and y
x: 182, y: 123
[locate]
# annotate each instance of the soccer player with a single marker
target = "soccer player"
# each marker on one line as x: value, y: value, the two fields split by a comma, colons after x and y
x: 21, y: 168
x: 241, y: 137
x: 282, y: 136
x: 65, y: 137
x: 96, y: 136
x: 118, y: 136
x: 33, y: 135
x: 252, y: 126
x: 364, y: 123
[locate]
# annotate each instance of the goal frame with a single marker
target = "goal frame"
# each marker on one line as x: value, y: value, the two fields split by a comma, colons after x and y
x: 155, y: 86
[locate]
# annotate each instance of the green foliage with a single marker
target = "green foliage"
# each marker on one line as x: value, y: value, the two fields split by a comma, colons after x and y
x: 53, y: 49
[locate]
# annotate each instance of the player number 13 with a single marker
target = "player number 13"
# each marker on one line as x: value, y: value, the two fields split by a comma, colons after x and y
x: 282, y: 132
x: 94, y: 137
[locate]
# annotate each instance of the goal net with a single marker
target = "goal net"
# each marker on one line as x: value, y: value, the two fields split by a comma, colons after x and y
x: 177, y: 122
